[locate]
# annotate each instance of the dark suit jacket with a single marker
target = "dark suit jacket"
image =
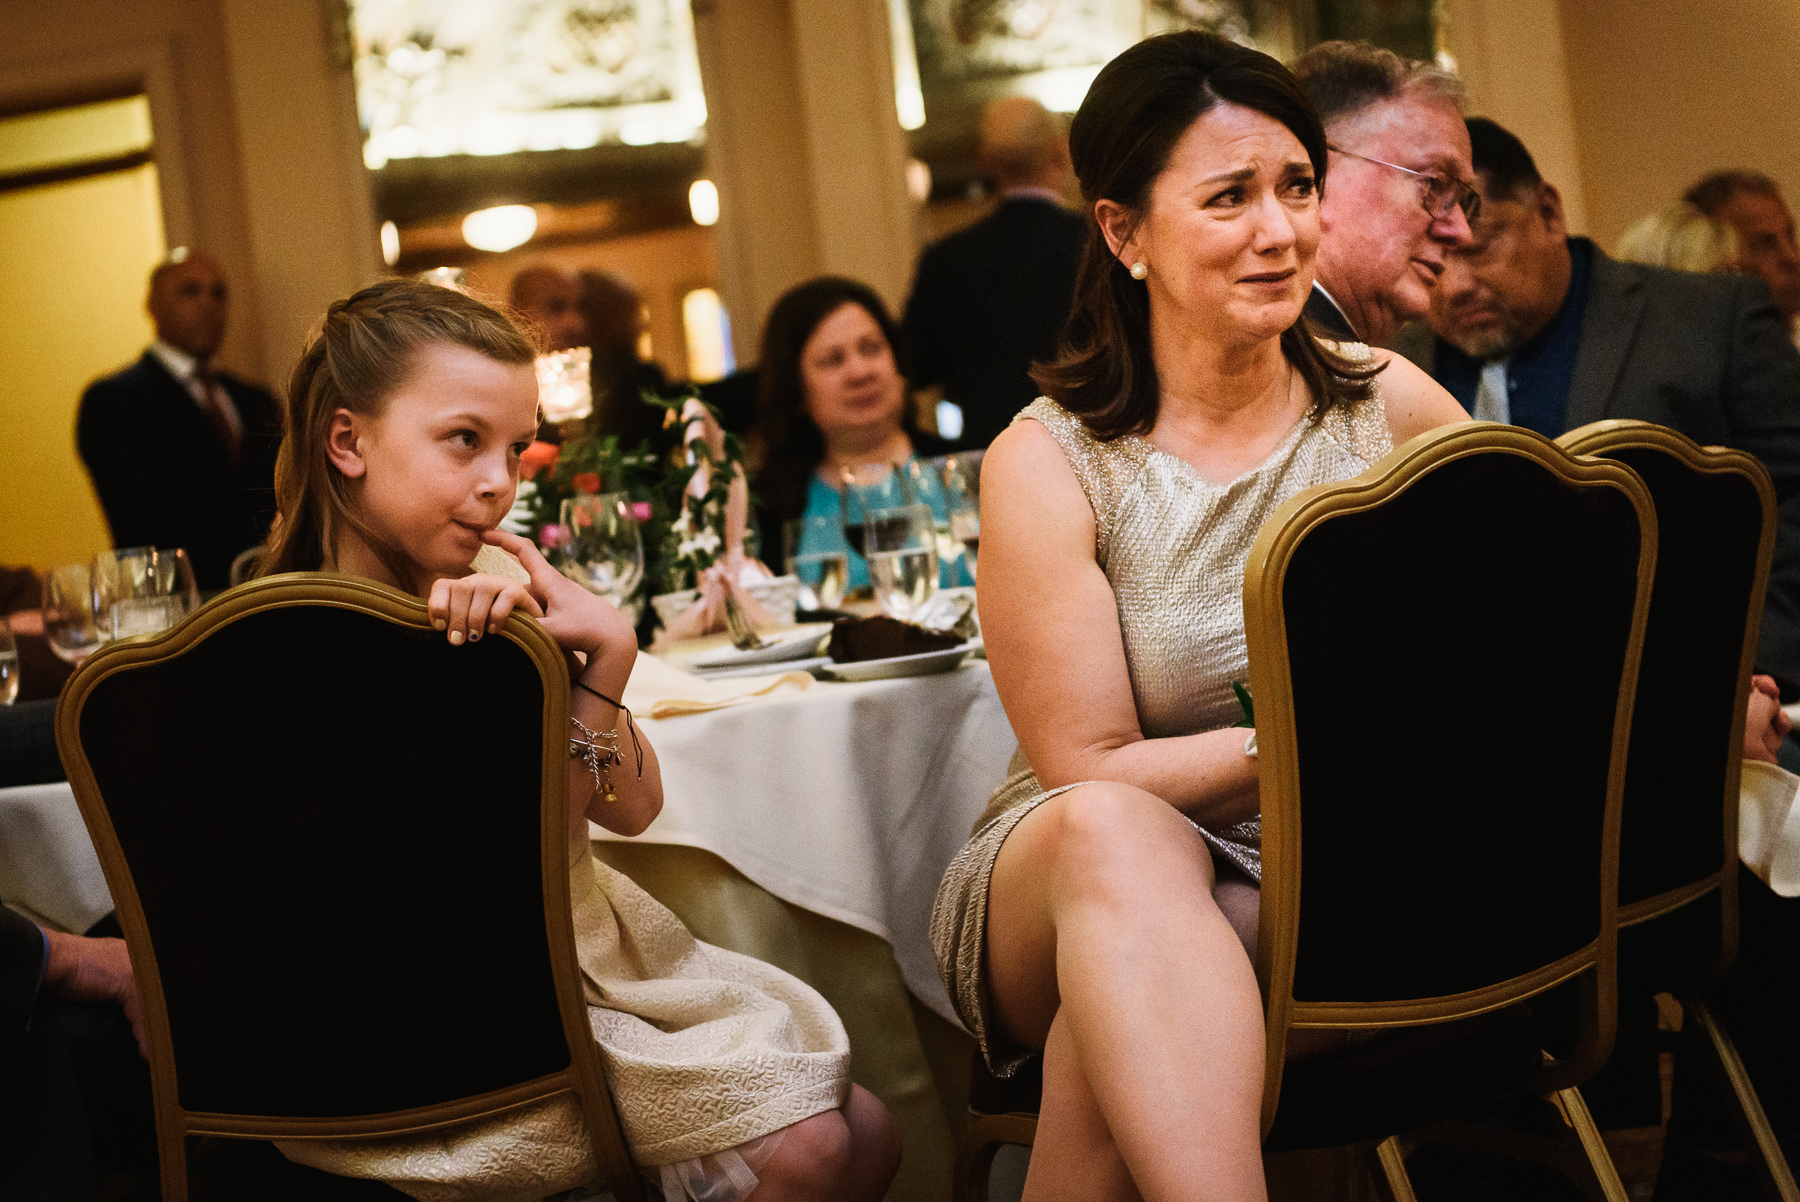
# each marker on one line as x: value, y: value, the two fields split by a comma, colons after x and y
x: 987, y: 302
x: 164, y: 476
x: 1327, y: 320
x: 1707, y: 355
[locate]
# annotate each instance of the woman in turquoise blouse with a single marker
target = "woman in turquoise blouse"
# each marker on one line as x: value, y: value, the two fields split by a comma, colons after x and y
x: 833, y: 399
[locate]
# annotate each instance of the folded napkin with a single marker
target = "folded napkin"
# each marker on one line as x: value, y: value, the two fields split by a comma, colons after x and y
x: 1769, y: 826
x: 675, y: 707
x: 660, y: 690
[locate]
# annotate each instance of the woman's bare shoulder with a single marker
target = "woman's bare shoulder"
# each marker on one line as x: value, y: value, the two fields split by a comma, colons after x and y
x: 1414, y: 401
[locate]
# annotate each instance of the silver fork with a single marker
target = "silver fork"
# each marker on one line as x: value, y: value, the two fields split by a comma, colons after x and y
x: 743, y: 635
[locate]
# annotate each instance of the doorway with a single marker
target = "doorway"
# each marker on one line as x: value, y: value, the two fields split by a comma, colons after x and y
x: 80, y: 230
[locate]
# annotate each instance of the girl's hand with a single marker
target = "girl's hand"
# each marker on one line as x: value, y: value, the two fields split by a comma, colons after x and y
x: 474, y: 604
x: 577, y: 619
x: 1765, y: 726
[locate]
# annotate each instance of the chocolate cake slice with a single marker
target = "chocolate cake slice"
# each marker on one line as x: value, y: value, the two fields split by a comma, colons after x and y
x: 880, y: 637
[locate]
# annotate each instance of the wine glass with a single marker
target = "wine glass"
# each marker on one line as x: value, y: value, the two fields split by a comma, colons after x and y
x: 71, y: 622
x: 9, y: 664
x: 866, y: 488
x: 961, y: 476
x: 813, y: 550
x: 903, y: 558
x: 603, y: 548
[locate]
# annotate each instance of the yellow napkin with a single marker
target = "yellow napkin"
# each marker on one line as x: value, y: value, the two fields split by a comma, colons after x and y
x: 658, y: 689
x: 675, y: 707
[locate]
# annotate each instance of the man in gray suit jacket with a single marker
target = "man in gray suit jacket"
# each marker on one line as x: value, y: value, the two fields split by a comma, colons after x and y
x: 1532, y: 327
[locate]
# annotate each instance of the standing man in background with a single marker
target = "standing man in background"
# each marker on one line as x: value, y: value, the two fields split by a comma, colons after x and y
x: 182, y: 455
x: 990, y: 300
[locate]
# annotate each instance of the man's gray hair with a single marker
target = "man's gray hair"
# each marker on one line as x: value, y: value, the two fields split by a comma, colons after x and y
x: 1345, y: 78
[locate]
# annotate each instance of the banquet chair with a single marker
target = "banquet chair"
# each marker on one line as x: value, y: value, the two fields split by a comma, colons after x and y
x: 1443, y: 655
x: 338, y: 848
x: 1678, y: 857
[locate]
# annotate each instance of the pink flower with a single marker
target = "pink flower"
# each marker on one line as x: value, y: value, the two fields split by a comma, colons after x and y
x: 641, y: 510
x: 550, y: 536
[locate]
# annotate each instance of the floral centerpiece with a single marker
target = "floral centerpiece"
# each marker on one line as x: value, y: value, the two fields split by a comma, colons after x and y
x: 681, y: 511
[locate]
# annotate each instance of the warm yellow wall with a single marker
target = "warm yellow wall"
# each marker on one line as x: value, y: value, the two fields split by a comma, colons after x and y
x: 74, y: 258
x: 1664, y: 93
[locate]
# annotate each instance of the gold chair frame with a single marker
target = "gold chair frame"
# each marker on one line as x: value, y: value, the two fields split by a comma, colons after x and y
x: 1278, y: 751
x: 174, y: 1124
x: 1703, y: 1038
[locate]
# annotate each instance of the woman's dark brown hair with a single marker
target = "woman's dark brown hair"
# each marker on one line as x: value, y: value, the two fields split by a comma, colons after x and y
x: 355, y: 360
x: 789, y: 446
x: 1120, y: 141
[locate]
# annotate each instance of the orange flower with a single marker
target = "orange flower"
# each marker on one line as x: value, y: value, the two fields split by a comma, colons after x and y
x: 537, y: 457
x: 588, y: 482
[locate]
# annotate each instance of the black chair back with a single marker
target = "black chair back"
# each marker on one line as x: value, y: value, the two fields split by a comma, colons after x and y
x: 1715, y: 511
x: 1443, y: 654
x: 338, y: 849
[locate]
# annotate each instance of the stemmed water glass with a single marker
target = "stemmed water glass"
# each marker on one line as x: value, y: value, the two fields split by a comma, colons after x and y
x: 813, y: 550
x: 903, y: 558
x: 960, y: 476
x: 604, y: 550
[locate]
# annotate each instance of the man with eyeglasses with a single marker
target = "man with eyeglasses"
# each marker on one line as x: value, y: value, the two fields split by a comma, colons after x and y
x: 1397, y: 196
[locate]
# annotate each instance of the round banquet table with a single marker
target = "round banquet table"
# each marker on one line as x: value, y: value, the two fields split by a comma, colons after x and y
x: 809, y: 827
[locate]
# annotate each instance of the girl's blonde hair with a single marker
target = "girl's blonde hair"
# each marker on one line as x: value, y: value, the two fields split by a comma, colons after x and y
x: 1682, y: 237
x: 355, y: 360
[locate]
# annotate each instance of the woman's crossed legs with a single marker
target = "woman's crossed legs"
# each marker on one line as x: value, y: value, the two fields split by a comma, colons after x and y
x: 1105, y: 947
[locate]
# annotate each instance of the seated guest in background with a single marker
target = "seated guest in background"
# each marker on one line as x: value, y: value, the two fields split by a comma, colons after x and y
x: 613, y: 313
x: 833, y: 400
x: 182, y: 455
x: 1751, y: 203
x: 409, y: 411
x: 1681, y: 238
x: 1543, y: 330
x: 550, y: 297
x: 1399, y: 199
x: 989, y: 301
x: 1105, y: 923
x: 74, y: 1089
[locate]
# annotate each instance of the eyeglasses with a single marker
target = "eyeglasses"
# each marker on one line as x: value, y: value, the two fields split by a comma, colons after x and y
x: 1441, y: 192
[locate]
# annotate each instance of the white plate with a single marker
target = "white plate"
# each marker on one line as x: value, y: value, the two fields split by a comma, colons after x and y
x: 922, y: 664
x: 800, y: 643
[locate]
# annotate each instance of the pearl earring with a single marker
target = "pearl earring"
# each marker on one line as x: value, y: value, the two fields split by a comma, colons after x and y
x: 1139, y: 271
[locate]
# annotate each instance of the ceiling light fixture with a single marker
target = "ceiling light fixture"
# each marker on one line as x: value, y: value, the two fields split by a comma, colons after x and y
x: 703, y: 202
x: 500, y: 228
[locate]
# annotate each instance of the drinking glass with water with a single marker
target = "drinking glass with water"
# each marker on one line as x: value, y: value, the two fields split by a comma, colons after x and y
x: 813, y: 549
x: 903, y: 560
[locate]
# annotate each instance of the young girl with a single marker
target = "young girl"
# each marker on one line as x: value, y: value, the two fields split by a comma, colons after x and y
x: 406, y: 417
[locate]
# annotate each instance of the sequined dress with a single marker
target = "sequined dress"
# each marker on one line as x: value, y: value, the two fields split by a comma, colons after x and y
x: 1173, y: 546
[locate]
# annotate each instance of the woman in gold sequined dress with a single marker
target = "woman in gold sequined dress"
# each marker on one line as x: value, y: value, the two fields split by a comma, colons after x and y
x: 1102, y: 909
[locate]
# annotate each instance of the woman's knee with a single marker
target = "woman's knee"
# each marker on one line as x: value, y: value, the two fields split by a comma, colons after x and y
x: 1108, y: 836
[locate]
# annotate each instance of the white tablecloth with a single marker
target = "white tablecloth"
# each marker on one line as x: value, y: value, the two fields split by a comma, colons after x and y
x: 848, y: 800
x: 47, y: 862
